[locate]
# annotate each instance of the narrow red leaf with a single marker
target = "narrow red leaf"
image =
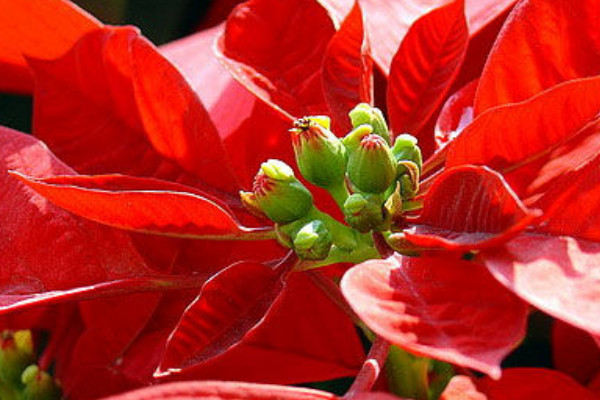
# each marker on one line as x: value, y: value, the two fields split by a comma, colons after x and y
x: 229, y: 305
x: 558, y: 275
x: 92, y: 108
x: 143, y: 205
x: 542, y: 44
x: 446, y: 309
x: 28, y: 267
x: 215, y: 390
x: 469, y: 208
x: 425, y: 65
x: 37, y: 28
x: 509, y: 138
x: 348, y: 69
x: 456, y: 114
x: 530, y: 383
x: 276, y: 49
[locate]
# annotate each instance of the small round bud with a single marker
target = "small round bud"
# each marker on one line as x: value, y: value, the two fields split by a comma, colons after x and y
x: 313, y: 241
x: 279, y: 194
x: 16, y: 353
x: 39, y: 385
x: 406, y: 149
x: 363, y: 213
x: 320, y: 155
x: 372, y: 167
x: 363, y: 113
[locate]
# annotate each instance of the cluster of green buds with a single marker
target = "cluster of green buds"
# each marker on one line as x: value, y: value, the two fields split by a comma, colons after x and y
x: 370, y: 175
x: 20, y: 377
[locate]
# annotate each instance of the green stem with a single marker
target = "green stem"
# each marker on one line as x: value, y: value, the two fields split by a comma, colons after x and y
x: 407, y: 375
x: 343, y: 236
x: 340, y: 193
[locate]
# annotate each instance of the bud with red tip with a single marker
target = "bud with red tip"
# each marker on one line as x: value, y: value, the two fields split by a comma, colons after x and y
x: 39, y: 385
x: 364, y: 114
x: 16, y: 353
x: 372, y: 167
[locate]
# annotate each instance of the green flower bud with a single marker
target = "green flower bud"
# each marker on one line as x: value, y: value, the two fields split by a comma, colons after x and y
x: 313, y: 241
x: 352, y: 139
x: 249, y: 202
x: 320, y: 155
x: 16, y: 353
x: 409, y: 179
x: 39, y: 385
x: 393, y: 207
x: 372, y: 167
x: 279, y: 194
x: 363, y: 213
x: 406, y: 149
x: 366, y: 114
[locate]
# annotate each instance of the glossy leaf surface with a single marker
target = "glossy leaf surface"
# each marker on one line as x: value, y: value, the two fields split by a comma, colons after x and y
x: 276, y: 49
x: 543, y: 43
x: 138, y: 204
x: 425, y: 65
x: 451, y: 310
x: 51, y: 28
x: 469, y: 208
x: 229, y: 305
x: 456, y: 114
x: 348, y: 69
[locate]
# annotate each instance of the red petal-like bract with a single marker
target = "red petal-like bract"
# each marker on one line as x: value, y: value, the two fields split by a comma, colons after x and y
x: 229, y: 305
x: 425, y: 65
x: 533, y: 383
x: 469, y: 208
x: 574, y: 352
x: 30, y: 223
x: 509, y: 138
x: 101, y: 108
x: 139, y: 204
x: 36, y: 28
x: 543, y: 43
x: 276, y: 49
x: 348, y: 70
x: 456, y: 114
x: 447, y: 309
x: 461, y: 387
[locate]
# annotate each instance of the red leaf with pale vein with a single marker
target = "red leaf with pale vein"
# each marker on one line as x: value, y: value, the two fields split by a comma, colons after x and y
x: 455, y: 115
x: 425, y: 65
x: 139, y: 204
x: 92, y: 104
x: 467, y: 208
x: 557, y: 274
x: 27, y: 266
x: 451, y: 310
x: 229, y: 305
x: 285, y: 348
x: 533, y: 383
x: 543, y: 43
x: 461, y: 387
x: 215, y: 390
x: 276, y: 49
x: 36, y: 28
x: 574, y: 352
x: 530, y: 131
x: 348, y: 70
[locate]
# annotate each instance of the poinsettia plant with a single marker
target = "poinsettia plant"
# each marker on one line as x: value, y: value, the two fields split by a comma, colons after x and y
x: 427, y: 179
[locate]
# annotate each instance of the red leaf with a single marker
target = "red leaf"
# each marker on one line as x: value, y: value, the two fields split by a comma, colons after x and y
x: 348, y: 69
x: 574, y: 352
x: 461, y: 387
x: 450, y: 310
x: 31, y: 225
x: 92, y: 108
x: 456, y: 114
x: 229, y: 305
x: 469, y: 208
x: 425, y: 65
x: 533, y: 383
x: 558, y: 275
x: 543, y: 43
x: 276, y: 49
x: 139, y: 204
x: 530, y: 131
x: 36, y: 28
x: 215, y: 390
